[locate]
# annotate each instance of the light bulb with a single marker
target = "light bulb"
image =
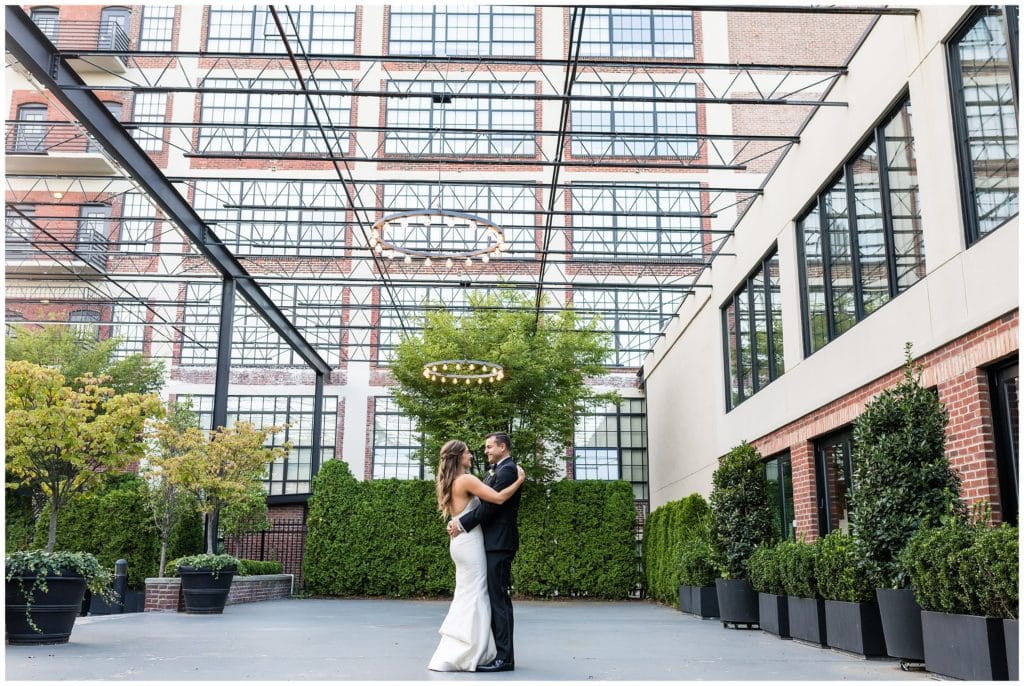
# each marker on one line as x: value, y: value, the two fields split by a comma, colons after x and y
x: 448, y: 263
x: 472, y: 367
x: 444, y: 380
x: 491, y: 379
x: 485, y: 259
x: 408, y: 259
x: 378, y: 248
x: 427, y: 262
x: 479, y: 380
x: 467, y: 382
x: 444, y: 367
x: 483, y: 367
x: 391, y: 255
x: 458, y: 367
x: 469, y: 261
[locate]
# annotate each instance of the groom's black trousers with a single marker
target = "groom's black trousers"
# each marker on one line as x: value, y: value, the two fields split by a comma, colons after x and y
x: 499, y: 583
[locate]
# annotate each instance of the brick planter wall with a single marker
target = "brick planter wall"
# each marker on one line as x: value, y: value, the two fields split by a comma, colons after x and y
x: 164, y: 594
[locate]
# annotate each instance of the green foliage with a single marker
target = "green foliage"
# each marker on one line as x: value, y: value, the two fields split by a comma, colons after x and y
x: 797, y: 561
x: 677, y: 548
x: 546, y: 360
x: 932, y: 559
x: 965, y: 568
x: 63, y: 441
x: 215, y: 563
x: 257, y: 567
x: 20, y: 519
x: 41, y: 563
x: 741, y: 513
x: 840, y: 570
x: 766, y: 569
x: 246, y: 515
x: 386, y: 538
x: 990, y: 572
x: 75, y: 352
x: 113, y: 523
x: 904, y: 482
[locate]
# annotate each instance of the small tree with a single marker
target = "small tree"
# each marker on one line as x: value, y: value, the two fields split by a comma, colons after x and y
x: 547, y: 361
x: 172, y: 437
x: 62, y: 441
x: 741, y: 513
x: 75, y: 352
x: 223, y: 470
x: 903, y: 480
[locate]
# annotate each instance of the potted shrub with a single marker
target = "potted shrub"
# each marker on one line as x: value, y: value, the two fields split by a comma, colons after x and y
x: 61, y: 442
x: 698, y: 569
x: 961, y: 572
x: 741, y: 521
x: 904, y: 483
x: 766, y: 577
x: 205, y: 581
x: 797, y: 560
x: 56, y: 581
x: 852, y: 622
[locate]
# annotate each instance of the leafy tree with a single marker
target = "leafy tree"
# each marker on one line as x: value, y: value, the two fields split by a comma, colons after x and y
x: 223, y: 470
x: 741, y: 513
x: 62, y: 441
x: 166, y: 500
x: 75, y: 352
x: 903, y: 480
x: 547, y: 361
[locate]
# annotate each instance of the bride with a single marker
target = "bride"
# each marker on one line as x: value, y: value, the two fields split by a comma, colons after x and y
x: 466, y: 638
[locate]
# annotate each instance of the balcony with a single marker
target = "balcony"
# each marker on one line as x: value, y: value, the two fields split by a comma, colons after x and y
x: 53, y: 147
x: 48, y: 256
x: 102, y: 40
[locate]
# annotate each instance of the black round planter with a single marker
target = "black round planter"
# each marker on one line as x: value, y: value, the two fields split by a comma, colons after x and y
x: 901, y: 623
x: 204, y: 594
x: 53, y: 612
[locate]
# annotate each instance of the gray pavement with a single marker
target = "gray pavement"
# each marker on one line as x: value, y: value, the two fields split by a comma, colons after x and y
x: 392, y: 640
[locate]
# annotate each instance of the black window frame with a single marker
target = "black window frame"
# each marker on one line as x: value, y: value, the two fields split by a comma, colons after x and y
x: 613, y: 16
x: 786, y: 520
x: 615, y: 414
x: 385, y: 406
x: 844, y: 175
x: 485, y: 14
x: 1004, y: 403
x: 1010, y: 18
x: 843, y: 435
x: 774, y: 352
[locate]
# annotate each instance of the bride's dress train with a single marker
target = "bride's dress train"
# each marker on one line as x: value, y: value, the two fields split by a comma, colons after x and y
x: 466, y: 638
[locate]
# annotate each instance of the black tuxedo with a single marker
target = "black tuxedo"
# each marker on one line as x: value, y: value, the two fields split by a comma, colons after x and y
x: 501, y: 541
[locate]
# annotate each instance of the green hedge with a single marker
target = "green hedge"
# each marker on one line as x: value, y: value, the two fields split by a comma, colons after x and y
x: 386, y: 538
x: 114, y: 523
x: 676, y: 547
x: 797, y: 561
x: 257, y: 567
x: 840, y: 570
x: 766, y: 572
x: 964, y: 568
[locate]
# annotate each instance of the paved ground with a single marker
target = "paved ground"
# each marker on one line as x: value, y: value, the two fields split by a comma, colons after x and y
x: 320, y: 639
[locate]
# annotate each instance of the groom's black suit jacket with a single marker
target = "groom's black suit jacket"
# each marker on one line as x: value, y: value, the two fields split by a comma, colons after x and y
x: 501, y: 530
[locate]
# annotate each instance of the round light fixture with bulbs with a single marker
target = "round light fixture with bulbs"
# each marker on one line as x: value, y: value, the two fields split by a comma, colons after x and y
x: 463, y: 372
x: 390, y: 236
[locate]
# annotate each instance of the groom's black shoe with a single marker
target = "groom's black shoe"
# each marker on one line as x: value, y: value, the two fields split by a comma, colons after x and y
x: 497, y: 666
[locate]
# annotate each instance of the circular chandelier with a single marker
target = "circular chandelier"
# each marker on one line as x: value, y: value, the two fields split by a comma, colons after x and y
x: 465, y: 372
x: 395, y: 235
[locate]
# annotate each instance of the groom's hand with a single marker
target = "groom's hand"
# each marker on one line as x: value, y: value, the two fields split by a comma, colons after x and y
x: 453, y: 528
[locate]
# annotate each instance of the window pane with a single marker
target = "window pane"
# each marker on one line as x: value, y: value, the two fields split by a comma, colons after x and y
x: 395, y: 440
x: 732, y: 340
x: 611, y: 443
x: 901, y: 160
x: 775, y: 292
x: 867, y: 198
x: 986, y: 101
x: 840, y: 258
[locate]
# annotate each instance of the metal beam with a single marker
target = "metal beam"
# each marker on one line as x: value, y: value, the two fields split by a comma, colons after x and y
x: 39, y: 56
x: 222, y: 380
x: 318, y: 425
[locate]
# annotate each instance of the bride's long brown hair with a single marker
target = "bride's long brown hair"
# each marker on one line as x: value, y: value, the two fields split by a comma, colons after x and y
x: 447, y: 470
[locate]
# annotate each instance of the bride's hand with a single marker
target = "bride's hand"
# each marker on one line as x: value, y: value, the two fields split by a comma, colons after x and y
x: 522, y: 473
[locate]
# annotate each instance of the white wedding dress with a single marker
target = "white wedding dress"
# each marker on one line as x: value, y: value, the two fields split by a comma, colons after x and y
x: 466, y: 638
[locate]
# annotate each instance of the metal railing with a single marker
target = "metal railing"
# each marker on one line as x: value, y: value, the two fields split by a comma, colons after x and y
x: 72, y: 35
x: 90, y: 245
x: 42, y: 137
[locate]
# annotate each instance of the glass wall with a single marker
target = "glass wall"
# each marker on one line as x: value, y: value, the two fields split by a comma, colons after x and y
x: 610, y: 443
x: 834, y: 480
x: 455, y: 30
x: 321, y: 29
x: 779, y: 472
x: 626, y: 32
x: 395, y: 440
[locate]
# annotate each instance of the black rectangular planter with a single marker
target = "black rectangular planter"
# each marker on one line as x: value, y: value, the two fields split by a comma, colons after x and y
x: 133, y: 602
x: 901, y: 623
x: 964, y: 646
x: 854, y: 627
x: 807, y: 620
x: 1011, y: 634
x: 686, y: 599
x: 774, y: 613
x: 737, y: 602
x: 705, y: 601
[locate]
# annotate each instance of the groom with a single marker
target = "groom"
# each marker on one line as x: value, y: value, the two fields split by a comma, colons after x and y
x: 501, y: 541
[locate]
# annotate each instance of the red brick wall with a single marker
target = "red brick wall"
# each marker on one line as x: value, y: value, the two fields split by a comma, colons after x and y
x: 958, y: 370
x: 165, y: 594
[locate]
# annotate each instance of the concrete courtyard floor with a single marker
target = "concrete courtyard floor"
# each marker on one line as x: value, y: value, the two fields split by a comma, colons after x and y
x: 392, y: 640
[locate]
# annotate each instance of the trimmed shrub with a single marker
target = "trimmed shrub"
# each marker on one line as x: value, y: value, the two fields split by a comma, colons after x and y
x: 114, y: 523
x: 697, y: 563
x: 839, y: 568
x: 19, y: 525
x: 257, y: 567
x: 989, y: 572
x: 741, y: 513
x: 797, y: 561
x: 904, y: 482
x: 667, y: 533
x: 932, y: 558
x: 766, y: 574
x: 387, y: 538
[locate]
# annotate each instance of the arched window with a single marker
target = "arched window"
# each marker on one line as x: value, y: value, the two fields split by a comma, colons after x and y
x: 87, y: 321
x: 12, y: 317
x: 115, y: 28
x: 46, y: 19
